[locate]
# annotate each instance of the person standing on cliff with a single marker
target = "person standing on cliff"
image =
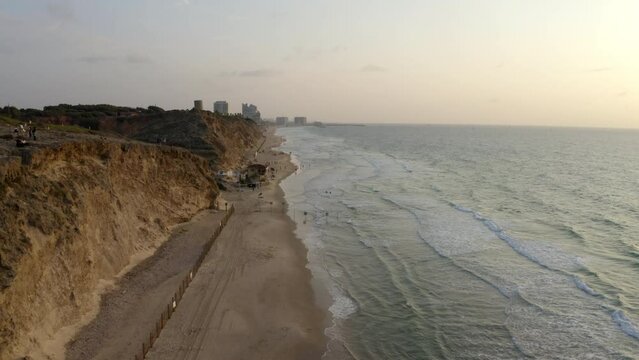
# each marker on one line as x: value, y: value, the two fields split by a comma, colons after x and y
x: 33, y: 132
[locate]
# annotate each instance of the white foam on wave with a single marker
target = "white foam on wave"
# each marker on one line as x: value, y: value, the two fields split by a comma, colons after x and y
x: 343, y: 306
x: 335, y: 273
x: 296, y: 161
x: 366, y: 242
x: 540, y: 253
x: 463, y: 209
x: 625, y: 324
x: 584, y: 287
x: 435, y: 230
x: 313, y: 240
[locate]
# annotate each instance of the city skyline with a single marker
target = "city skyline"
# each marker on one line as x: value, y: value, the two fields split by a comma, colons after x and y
x: 546, y: 63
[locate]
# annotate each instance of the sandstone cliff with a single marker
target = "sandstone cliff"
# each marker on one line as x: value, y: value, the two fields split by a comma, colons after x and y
x: 223, y: 140
x: 79, y: 207
x: 76, y: 214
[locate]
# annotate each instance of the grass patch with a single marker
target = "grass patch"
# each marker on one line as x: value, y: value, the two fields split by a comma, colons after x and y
x: 9, y: 121
x: 63, y: 128
x: 68, y: 128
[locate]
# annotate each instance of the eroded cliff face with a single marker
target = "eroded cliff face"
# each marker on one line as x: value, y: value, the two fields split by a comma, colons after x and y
x: 75, y: 215
x: 223, y: 140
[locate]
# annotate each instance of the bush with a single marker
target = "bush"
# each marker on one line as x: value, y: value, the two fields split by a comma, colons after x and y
x: 155, y: 109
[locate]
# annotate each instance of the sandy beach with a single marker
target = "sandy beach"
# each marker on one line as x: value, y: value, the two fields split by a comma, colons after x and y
x: 132, y: 304
x: 251, y: 299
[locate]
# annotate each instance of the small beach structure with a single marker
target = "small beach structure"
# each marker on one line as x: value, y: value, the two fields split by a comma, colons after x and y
x: 256, y: 171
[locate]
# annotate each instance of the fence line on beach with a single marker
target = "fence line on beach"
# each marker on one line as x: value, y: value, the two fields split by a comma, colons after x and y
x: 154, y: 334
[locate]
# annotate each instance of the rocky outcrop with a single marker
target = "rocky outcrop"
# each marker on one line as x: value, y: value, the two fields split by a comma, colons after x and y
x: 76, y: 214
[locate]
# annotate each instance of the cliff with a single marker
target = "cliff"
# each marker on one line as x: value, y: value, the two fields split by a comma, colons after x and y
x: 79, y: 207
x: 77, y: 214
x: 223, y: 140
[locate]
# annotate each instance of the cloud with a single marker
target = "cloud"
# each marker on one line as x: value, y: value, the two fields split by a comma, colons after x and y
x: 137, y: 59
x: 61, y: 11
x: 96, y: 59
x: 373, y: 68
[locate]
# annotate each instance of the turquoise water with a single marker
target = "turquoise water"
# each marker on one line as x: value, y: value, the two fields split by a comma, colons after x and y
x: 441, y: 242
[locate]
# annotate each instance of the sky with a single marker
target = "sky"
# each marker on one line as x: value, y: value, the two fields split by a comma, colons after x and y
x: 511, y: 62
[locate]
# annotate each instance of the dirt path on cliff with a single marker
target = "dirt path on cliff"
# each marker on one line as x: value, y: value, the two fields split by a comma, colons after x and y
x: 252, y: 298
x: 129, y: 311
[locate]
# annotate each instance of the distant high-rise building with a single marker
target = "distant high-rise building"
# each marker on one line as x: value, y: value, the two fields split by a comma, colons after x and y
x: 249, y: 111
x: 197, y: 105
x: 281, y: 120
x: 300, y: 121
x: 221, y: 107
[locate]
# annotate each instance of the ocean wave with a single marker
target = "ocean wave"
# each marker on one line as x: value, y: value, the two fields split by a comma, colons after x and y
x: 365, y: 241
x: 361, y: 237
x: 296, y: 161
x: 572, y: 232
x: 343, y: 306
x: 545, y: 256
x: 584, y: 287
x: 336, y: 273
x: 608, y: 222
x: 518, y: 296
x: 625, y: 324
x: 633, y: 253
x: 511, y: 291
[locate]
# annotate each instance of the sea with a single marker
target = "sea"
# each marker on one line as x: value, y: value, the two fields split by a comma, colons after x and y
x: 471, y: 242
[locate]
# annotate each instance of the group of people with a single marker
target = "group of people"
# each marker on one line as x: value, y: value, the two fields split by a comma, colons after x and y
x: 20, y: 132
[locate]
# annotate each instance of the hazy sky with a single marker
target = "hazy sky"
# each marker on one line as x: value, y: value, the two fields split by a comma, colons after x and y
x: 540, y: 62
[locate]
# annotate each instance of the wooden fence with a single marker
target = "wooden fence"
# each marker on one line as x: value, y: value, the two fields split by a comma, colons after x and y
x: 179, y: 294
